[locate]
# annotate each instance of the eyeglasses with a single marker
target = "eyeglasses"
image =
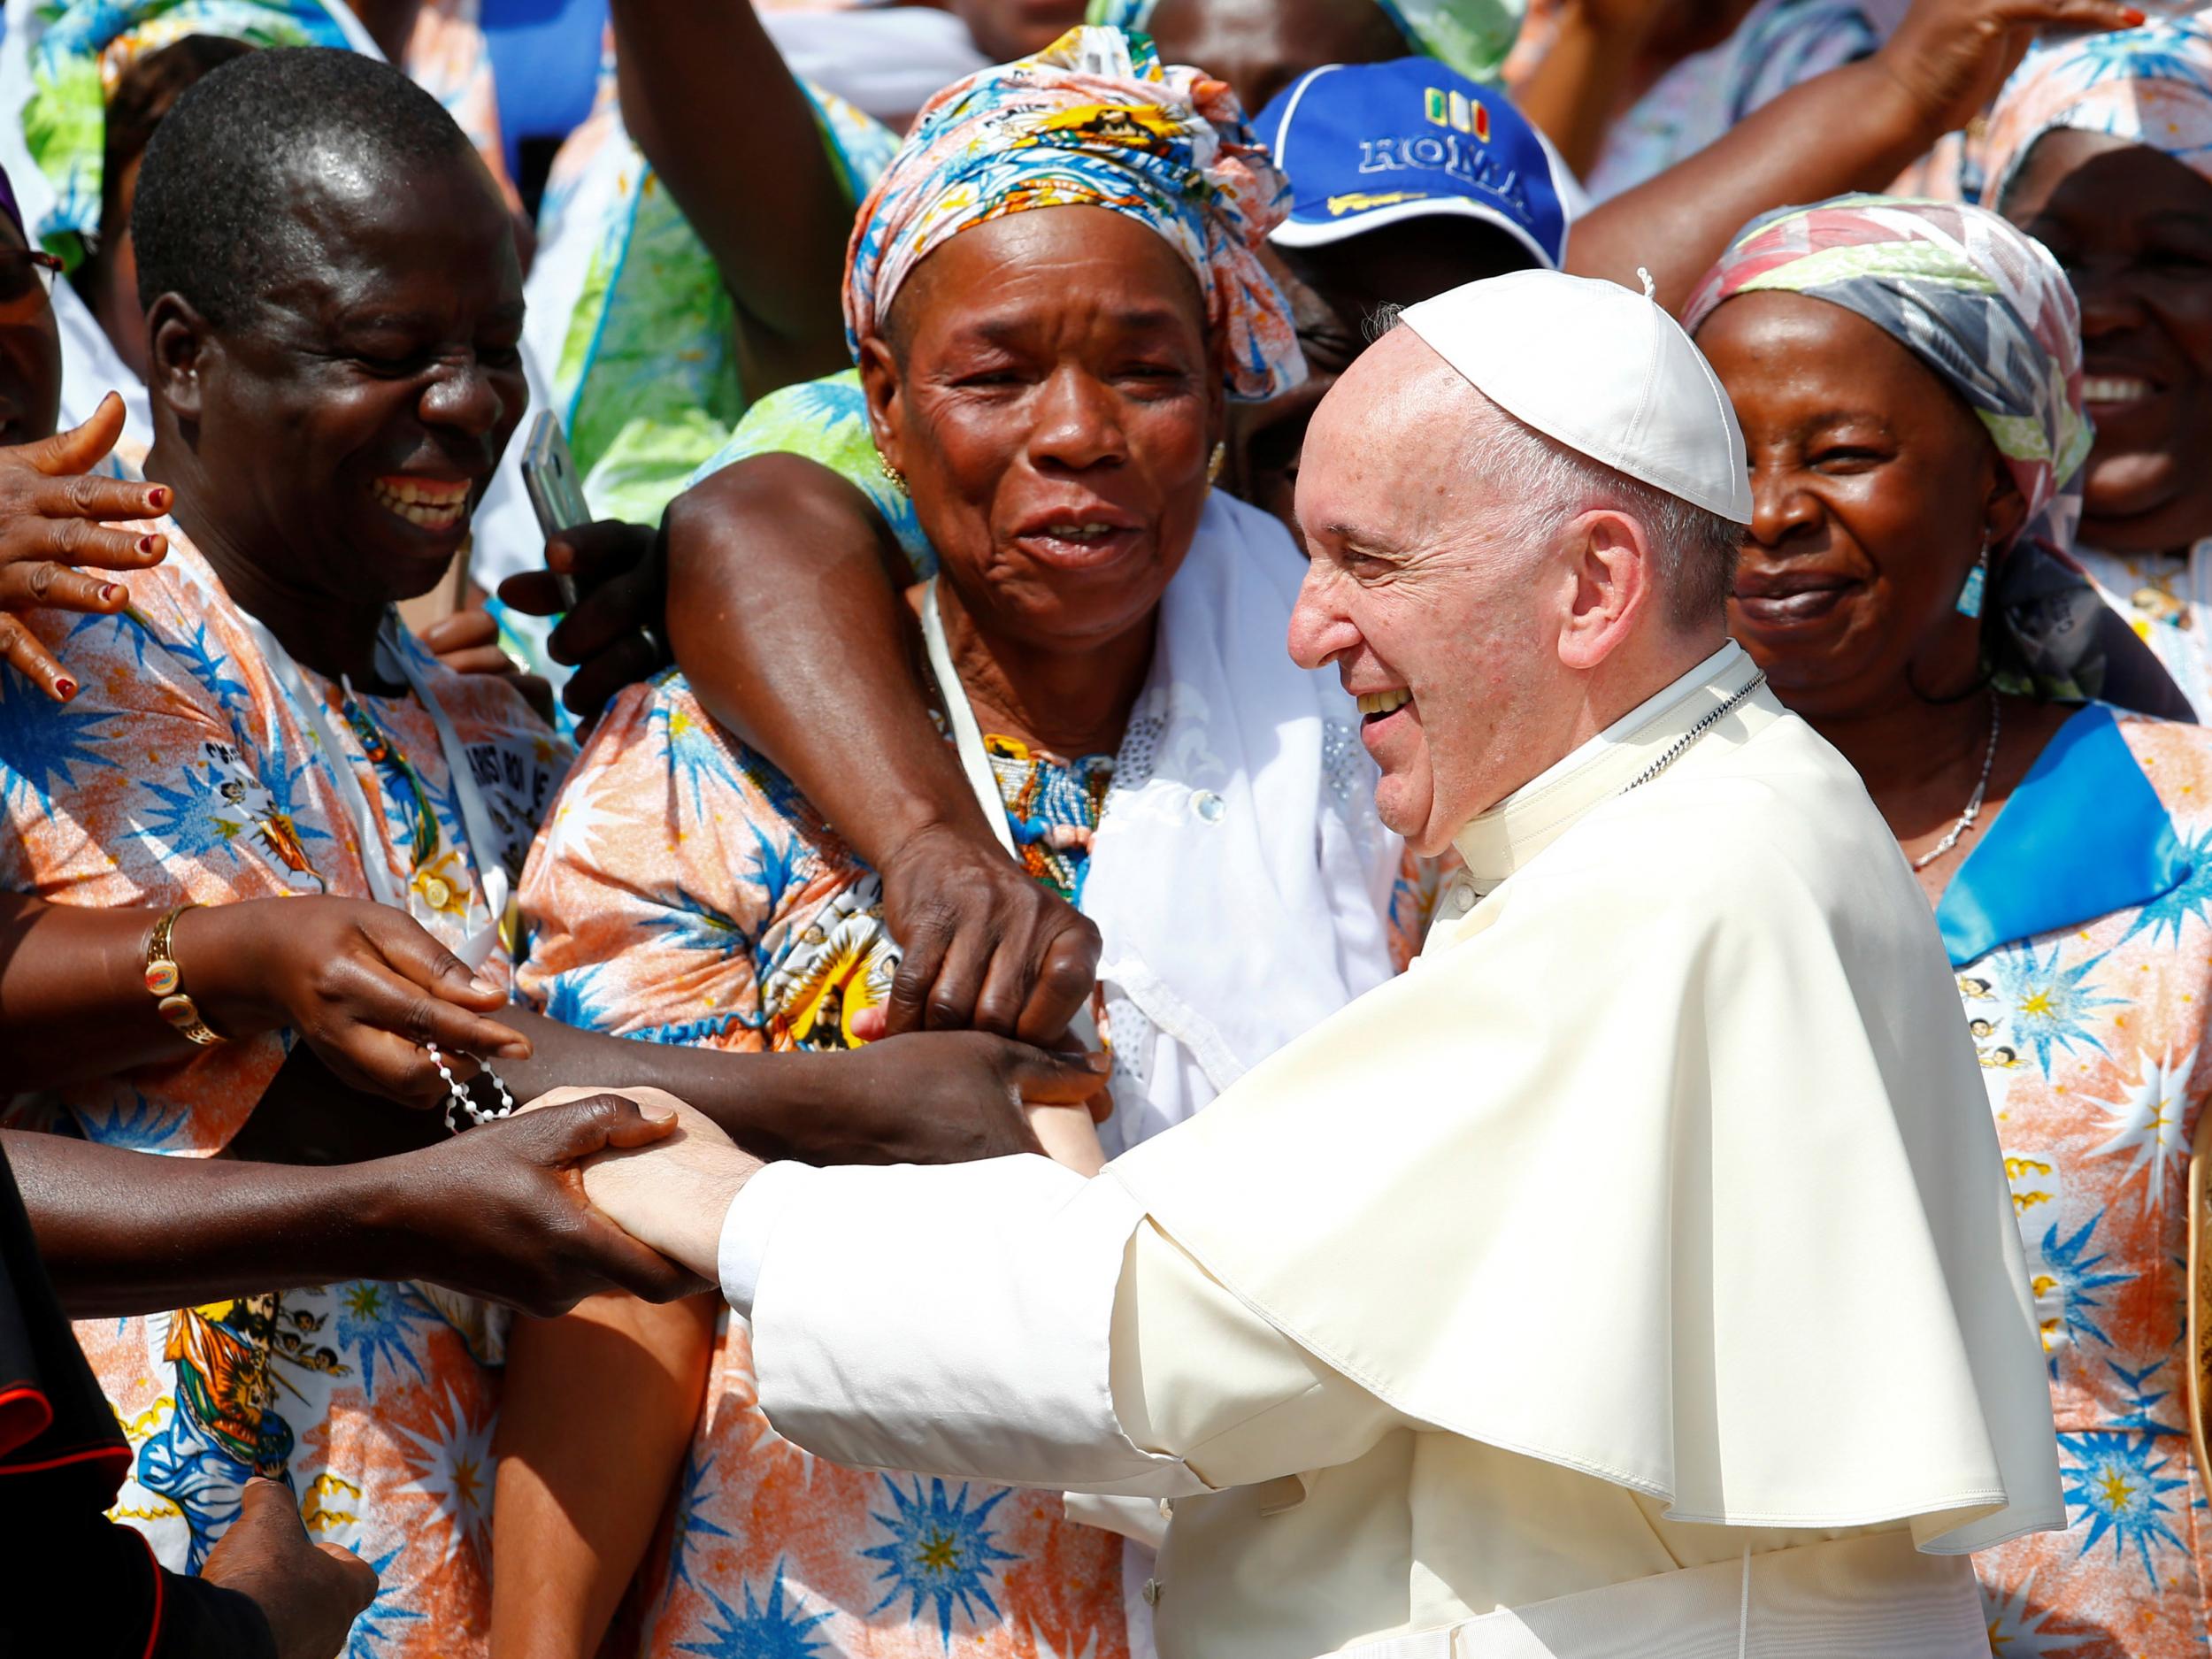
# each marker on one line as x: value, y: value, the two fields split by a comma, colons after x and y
x: 26, y: 274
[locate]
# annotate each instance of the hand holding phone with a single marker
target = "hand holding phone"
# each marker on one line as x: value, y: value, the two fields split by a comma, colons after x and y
x: 548, y: 473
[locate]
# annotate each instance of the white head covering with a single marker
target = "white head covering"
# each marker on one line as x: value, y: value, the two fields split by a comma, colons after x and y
x: 1603, y: 371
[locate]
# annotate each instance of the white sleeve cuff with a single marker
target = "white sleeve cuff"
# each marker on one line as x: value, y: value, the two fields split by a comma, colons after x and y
x: 952, y: 1321
x: 746, y: 1229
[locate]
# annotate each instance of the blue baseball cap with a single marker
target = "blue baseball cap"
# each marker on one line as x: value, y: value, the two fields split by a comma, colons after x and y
x: 1372, y: 144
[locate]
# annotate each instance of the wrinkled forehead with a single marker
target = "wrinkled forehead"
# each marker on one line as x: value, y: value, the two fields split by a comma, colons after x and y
x: 1387, y: 453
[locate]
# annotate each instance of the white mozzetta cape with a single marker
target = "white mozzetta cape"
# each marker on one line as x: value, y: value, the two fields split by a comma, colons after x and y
x: 1668, y: 1163
x: 1660, y: 1192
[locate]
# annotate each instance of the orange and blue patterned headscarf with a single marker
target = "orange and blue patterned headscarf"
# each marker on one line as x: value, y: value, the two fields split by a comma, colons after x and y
x: 1091, y: 121
x: 1986, y: 307
x: 2150, y: 86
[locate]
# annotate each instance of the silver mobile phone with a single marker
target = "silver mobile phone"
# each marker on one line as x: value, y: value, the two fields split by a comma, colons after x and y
x: 548, y: 472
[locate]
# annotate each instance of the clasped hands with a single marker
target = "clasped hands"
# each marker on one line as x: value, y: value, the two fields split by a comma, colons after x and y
x: 672, y: 1192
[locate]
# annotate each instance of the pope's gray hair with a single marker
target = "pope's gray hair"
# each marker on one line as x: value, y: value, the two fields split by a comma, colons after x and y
x: 1539, y: 485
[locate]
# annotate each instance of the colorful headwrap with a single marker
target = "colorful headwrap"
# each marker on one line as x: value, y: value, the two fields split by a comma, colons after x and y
x: 2151, y: 86
x: 1471, y: 37
x: 1988, y: 309
x: 81, y: 50
x: 1091, y: 121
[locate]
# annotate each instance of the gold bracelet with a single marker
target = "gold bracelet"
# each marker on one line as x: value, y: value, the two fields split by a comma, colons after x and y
x: 164, y: 981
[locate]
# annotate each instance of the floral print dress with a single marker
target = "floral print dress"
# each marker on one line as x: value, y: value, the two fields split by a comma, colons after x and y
x: 2081, y: 930
x: 684, y: 891
x: 2168, y: 601
x: 185, y: 770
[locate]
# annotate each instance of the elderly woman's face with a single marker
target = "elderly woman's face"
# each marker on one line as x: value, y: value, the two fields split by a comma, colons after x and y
x: 350, y: 421
x: 1873, y: 491
x: 2133, y: 228
x: 1051, y: 395
x: 30, y: 346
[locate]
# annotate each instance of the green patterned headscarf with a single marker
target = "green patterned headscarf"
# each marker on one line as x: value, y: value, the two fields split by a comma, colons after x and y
x: 1987, y: 309
x: 1471, y: 37
x: 80, y: 49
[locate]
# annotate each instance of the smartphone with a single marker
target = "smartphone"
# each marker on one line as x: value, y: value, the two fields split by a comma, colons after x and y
x: 548, y: 472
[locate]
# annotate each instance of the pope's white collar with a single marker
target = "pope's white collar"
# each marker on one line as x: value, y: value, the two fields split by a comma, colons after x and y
x: 1501, y: 841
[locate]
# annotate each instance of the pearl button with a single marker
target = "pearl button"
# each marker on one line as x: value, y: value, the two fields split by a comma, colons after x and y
x: 1208, y: 806
x: 1459, y: 900
x: 1152, y: 1593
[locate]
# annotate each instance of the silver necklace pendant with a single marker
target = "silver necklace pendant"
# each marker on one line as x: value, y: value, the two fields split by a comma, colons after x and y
x: 1981, y: 788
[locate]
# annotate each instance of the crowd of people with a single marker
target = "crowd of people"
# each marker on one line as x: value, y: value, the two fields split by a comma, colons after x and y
x: 1366, y: 826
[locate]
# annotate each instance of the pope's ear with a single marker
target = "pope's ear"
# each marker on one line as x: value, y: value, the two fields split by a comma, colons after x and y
x: 1609, y: 576
x: 177, y: 346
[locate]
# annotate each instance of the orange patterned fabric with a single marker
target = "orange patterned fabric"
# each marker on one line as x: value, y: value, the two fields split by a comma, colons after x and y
x: 182, y: 770
x: 684, y: 892
x: 2090, y: 1036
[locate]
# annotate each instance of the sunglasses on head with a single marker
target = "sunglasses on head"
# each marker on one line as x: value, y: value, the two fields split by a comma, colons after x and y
x: 26, y: 273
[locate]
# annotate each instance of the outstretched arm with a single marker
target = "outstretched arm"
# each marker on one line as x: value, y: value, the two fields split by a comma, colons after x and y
x: 707, y: 99
x: 1853, y: 129
x: 1575, y: 89
x: 1087, y: 1351
x: 498, y: 1212
x: 785, y: 609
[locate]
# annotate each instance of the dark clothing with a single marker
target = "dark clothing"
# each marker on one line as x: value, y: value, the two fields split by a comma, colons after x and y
x: 72, y: 1582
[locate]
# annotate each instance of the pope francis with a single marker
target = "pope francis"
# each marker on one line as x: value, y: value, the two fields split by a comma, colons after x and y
x: 1635, y: 1276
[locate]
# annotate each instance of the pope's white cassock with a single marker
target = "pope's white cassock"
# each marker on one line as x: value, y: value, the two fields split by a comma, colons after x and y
x: 1637, y: 1275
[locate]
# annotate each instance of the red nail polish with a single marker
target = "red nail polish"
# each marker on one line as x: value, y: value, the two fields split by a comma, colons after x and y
x: 110, y: 592
x: 158, y: 498
x: 146, y: 545
x: 2135, y: 19
x: 65, y: 690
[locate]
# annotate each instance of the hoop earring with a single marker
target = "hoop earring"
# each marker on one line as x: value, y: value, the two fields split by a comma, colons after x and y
x: 1970, y: 600
x: 1215, y: 461
x: 896, y: 478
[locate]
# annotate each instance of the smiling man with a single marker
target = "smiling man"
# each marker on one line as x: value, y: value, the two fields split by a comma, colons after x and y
x: 1636, y: 1275
x: 333, y: 301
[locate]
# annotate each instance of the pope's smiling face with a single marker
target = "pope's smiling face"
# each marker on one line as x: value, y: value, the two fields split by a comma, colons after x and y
x: 1442, y: 632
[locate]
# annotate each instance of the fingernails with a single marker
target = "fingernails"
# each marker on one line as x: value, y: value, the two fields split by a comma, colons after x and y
x: 1101, y: 1062
x: 158, y: 498
x: 113, y: 593
x: 2135, y: 19
x: 65, y: 690
x: 483, y: 987
x: 148, y: 546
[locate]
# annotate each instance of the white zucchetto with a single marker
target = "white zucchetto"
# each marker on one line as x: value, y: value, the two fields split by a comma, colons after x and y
x: 1600, y: 369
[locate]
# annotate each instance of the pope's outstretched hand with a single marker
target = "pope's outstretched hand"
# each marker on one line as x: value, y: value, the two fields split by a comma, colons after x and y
x: 673, y: 1201
x: 672, y: 1194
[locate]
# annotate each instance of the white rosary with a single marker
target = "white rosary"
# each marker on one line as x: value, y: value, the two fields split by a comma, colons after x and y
x: 460, y: 1097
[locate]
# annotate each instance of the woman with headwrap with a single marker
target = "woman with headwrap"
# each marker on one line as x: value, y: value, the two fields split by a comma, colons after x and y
x: 2103, y: 151
x: 663, y: 312
x: 1909, y: 380
x: 1053, y: 293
